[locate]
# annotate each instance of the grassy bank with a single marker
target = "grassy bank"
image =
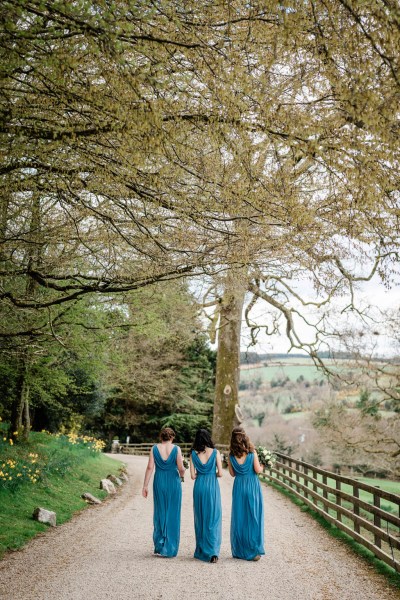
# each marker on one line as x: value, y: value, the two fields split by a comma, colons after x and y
x: 51, y: 472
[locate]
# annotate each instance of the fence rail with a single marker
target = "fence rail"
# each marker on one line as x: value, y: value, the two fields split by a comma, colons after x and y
x: 352, y: 506
x: 144, y: 449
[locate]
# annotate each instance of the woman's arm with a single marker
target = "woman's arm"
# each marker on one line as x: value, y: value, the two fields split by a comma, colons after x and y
x: 230, y: 468
x: 179, y: 463
x: 219, y: 465
x: 149, y: 470
x: 193, y: 473
x: 256, y: 464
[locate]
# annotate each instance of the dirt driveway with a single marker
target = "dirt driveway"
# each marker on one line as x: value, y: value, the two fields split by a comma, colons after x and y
x: 106, y: 552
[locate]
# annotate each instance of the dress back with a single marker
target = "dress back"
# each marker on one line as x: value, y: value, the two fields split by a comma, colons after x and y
x: 207, y: 508
x: 247, y: 516
x: 167, y: 495
x: 243, y: 469
x: 165, y: 465
x: 205, y: 468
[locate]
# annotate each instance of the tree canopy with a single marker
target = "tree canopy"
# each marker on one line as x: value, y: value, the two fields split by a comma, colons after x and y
x: 253, y: 143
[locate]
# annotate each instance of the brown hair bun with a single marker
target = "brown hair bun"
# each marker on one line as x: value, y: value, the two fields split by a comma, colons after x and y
x: 167, y: 434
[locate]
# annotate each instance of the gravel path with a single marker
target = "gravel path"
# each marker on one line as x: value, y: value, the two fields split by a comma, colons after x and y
x: 106, y: 552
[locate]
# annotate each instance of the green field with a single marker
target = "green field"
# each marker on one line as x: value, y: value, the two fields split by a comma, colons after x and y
x: 291, y: 368
x: 384, y: 484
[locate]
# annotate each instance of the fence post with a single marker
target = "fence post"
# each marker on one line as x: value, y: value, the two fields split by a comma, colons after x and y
x: 338, y: 501
x: 305, y: 470
x: 325, y: 493
x: 315, y: 487
x: 356, y: 507
x: 377, y: 520
x: 297, y: 477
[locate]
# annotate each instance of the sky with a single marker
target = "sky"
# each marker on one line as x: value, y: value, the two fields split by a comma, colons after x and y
x: 369, y: 293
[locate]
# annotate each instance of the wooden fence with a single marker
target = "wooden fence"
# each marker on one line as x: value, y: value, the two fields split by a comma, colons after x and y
x: 369, y: 515
x: 364, y: 512
x: 144, y: 449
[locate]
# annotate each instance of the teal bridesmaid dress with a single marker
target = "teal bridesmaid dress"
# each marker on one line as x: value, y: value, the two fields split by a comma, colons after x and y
x: 207, y: 508
x: 167, y: 494
x: 247, y: 518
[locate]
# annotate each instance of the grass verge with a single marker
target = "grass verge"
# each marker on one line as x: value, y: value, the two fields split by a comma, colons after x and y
x: 65, y: 471
x: 392, y: 576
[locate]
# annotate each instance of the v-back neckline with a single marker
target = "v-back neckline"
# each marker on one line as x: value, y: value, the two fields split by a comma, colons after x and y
x: 204, y: 464
x: 165, y: 459
x: 244, y: 462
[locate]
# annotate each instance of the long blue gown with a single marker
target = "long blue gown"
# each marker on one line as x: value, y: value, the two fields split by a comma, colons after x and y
x: 207, y: 508
x: 167, y: 494
x: 247, y: 518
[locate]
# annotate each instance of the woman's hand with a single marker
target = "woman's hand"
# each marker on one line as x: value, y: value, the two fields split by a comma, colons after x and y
x: 145, y: 492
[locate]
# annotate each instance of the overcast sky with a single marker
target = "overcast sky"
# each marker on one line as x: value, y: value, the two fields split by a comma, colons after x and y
x: 368, y: 293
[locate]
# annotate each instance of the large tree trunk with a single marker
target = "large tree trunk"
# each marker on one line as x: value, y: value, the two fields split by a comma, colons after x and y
x: 228, y: 357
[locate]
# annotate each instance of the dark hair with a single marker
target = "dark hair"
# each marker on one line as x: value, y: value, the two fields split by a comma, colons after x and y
x: 202, y: 440
x: 240, y: 443
x: 167, y: 434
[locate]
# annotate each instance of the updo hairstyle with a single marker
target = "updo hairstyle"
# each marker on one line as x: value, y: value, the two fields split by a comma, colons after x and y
x: 167, y: 434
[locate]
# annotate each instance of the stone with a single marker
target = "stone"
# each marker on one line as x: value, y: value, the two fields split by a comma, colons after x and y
x: 124, y: 476
x: 114, y: 479
x: 45, y: 516
x: 90, y: 498
x: 108, y: 486
x: 115, y: 447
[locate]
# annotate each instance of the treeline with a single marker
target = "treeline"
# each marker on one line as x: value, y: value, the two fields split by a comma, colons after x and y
x: 113, y: 367
x: 250, y: 358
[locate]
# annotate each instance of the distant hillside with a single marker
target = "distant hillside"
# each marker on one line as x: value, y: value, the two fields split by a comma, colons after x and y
x: 251, y: 358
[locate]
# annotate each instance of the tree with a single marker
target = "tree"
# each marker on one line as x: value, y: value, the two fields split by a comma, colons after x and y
x: 369, y: 433
x: 194, y: 403
x: 64, y: 371
x: 228, y: 139
x: 164, y: 370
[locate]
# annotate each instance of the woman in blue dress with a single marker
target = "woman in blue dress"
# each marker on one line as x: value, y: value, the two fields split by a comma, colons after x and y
x: 247, y: 519
x: 167, y: 493
x: 205, y: 467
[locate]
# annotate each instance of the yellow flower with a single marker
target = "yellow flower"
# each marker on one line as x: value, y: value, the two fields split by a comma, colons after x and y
x: 15, y: 433
x: 4, y: 439
x: 11, y: 442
